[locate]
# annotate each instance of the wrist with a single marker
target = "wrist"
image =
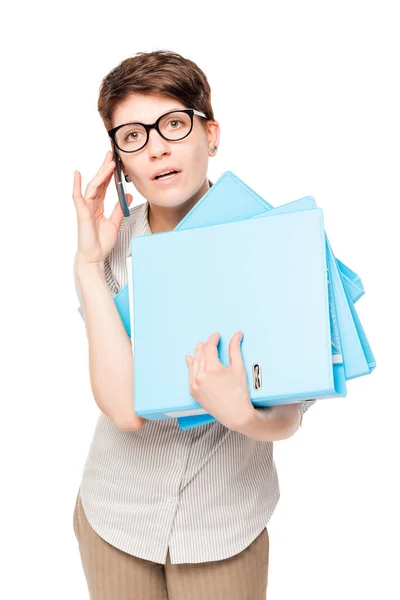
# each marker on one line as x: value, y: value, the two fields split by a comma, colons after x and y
x: 247, y: 419
x: 84, y: 267
x: 251, y: 424
x: 273, y: 423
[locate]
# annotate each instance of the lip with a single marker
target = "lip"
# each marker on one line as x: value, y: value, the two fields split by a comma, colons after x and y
x: 168, y: 180
x: 168, y: 168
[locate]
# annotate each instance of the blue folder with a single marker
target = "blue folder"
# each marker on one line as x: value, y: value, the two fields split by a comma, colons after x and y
x: 240, y: 200
x: 187, y: 422
x: 219, y: 278
x: 346, y: 328
x: 351, y: 350
x: 231, y: 199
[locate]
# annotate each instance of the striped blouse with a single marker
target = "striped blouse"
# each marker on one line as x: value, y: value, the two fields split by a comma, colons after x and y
x: 204, y: 494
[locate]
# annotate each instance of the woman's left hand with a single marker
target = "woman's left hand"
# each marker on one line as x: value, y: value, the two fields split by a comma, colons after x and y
x: 222, y: 391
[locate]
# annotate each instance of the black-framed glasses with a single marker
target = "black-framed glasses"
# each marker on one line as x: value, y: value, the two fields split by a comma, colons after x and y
x: 172, y: 126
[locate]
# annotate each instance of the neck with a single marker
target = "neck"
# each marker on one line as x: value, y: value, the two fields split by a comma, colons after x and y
x: 162, y: 218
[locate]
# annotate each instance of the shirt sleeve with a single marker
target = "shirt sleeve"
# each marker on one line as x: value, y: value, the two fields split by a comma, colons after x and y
x: 304, y: 405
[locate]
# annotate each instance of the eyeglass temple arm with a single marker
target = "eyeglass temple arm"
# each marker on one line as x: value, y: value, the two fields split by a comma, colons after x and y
x: 199, y: 113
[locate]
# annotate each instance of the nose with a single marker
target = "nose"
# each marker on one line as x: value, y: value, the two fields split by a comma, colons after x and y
x: 157, y: 145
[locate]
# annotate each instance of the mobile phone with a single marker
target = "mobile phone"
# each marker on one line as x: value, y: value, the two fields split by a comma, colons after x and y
x: 120, y: 185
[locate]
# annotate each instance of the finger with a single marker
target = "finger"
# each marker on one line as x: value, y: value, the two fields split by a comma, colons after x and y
x: 105, y: 170
x: 202, y: 361
x: 106, y: 160
x: 189, y: 362
x: 77, y: 190
x: 191, y: 372
x: 101, y: 179
x: 211, y: 350
x: 235, y: 352
x: 195, y: 365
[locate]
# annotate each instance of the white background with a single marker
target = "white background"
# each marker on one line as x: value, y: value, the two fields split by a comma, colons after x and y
x: 315, y: 87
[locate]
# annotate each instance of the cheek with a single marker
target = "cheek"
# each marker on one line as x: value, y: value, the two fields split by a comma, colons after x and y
x: 140, y: 173
x: 197, y: 158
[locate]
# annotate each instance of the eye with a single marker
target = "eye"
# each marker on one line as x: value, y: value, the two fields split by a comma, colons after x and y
x: 132, y: 135
x: 175, y: 121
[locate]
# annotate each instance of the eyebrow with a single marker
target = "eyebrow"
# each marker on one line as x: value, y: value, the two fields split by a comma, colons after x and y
x: 167, y: 111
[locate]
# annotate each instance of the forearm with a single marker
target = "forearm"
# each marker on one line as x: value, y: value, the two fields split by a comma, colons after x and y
x: 110, y: 349
x: 273, y: 423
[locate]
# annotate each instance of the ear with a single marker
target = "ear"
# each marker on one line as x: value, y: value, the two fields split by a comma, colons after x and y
x: 213, y: 133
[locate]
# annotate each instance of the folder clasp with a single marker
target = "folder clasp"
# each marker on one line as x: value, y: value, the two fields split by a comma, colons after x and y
x: 257, y: 381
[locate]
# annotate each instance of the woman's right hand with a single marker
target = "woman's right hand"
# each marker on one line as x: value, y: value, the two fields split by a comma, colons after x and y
x: 97, y: 235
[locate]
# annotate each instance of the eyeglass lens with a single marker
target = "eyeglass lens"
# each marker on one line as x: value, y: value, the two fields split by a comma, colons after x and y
x: 173, y: 126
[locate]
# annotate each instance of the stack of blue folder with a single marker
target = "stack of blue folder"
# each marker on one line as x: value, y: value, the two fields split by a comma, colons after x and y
x: 236, y: 263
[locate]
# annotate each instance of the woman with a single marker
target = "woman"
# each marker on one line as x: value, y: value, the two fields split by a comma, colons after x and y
x: 163, y: 512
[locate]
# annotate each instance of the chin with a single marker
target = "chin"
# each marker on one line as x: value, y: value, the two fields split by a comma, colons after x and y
x: 171, y: 202
x: 173, y: 196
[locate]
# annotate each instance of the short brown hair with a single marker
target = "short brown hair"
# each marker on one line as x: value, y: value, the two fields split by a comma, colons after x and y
x: 159, y: 73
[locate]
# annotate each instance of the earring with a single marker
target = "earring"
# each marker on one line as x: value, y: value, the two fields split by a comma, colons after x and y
x: 127, y: 178
x: 213, y: 149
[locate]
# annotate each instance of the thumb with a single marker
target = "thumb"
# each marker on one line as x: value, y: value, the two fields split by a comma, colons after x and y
x: 117, y: 215
x: 235, y: 352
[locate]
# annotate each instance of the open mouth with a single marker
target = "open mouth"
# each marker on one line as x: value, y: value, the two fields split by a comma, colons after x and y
x: 171, y: 175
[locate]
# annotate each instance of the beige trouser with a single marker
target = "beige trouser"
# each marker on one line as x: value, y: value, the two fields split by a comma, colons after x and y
x: 112, y: 574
